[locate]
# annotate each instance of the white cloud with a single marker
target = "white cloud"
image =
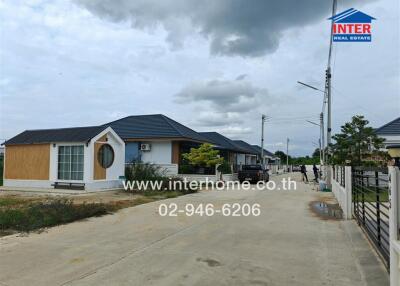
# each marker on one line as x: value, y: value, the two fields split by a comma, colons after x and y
x: 64, y: 66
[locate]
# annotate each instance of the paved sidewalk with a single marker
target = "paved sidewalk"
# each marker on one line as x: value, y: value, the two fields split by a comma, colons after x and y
x: 288, y: 244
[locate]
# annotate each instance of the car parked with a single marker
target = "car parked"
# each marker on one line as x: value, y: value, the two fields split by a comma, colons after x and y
x: 296, y: 168
x: 253, y: 174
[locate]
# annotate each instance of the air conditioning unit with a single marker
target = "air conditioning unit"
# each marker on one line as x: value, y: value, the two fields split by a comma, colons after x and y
x: 145, y: 147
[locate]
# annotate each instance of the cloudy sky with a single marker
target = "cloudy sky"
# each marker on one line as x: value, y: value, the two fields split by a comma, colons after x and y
x: 212, y: 65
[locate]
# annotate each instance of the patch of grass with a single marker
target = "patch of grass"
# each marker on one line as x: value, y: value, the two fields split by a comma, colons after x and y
x: 49, y: 213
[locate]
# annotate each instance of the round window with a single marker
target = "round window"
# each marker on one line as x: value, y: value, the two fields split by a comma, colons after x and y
x: 105, y: 156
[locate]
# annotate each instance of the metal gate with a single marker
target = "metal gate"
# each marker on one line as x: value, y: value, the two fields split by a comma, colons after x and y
x: 371, y: 205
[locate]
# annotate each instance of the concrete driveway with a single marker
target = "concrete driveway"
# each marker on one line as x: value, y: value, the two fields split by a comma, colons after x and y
x: 286, y: 245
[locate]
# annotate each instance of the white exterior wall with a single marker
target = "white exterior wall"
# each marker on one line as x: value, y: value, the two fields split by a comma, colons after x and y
x: 251, y: 159
x: 117, y: 169
x: 390, y: 139
x: 44, y: 184
x: 245, y: 159
x: 160, y: 153
x: 343, y: 194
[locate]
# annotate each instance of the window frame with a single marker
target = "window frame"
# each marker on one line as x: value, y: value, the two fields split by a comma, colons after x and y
x: 82, y: 154
x: 98, y: 155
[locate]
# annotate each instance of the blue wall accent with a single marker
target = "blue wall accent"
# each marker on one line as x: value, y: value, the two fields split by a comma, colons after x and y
x: 132, y: 152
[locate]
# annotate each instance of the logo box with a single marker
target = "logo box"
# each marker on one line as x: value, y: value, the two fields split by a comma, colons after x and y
x: 352, y: 26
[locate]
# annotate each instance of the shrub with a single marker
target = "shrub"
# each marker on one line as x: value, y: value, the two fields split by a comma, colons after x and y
x: 144, y: 172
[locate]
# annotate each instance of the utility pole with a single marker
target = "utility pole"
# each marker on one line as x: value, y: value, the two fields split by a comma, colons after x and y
x: 320, y: 151
x: 328, y: 127
x: 328, y: 90
x: 263, y: 118
x: 329, y: 95
x: 322, y: 137
x: 287, y: 154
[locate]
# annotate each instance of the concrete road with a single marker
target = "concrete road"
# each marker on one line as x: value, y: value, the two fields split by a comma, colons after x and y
x: 286, y: 245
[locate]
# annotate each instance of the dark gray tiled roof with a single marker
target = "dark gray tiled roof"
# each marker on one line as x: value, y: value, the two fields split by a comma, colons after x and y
x: 266, y: 152
x: 152, y: 126
x: 74, y: 134
x: 222, y: 142
x: 246, y: 146
x: 391, y: 128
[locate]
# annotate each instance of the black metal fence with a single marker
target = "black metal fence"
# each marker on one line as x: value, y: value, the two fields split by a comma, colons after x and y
x: 339, y: 174
x: 370, y: 192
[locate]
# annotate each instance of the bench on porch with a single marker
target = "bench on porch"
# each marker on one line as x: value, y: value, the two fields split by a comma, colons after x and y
x: 69, y: 186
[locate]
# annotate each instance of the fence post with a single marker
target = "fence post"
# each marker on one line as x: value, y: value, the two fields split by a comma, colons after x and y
x: 378, y: 211
x: 349, y: 192
x: 394, y: 220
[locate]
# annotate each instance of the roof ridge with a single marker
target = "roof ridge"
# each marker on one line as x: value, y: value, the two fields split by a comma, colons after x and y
x: 226, y: 139
x: 63, y: 128
x: 383, y: 126
x: 129, y: 116
x: 167, y: 119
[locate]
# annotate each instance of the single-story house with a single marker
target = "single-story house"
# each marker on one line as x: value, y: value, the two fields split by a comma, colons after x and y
x: 390, y: 132
x: 250, y: 157
x: 269, y: 158
x: 228, y: 148
x: 80, y: 158
x: 74, y: 157
x: 156, y: 139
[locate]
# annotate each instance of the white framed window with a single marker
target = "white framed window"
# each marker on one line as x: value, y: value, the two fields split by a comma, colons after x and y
x: 70, y: 162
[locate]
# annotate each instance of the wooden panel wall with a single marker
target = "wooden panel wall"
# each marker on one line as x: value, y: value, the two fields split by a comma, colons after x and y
x: 27, y: 162
x: 99, y: 173
x: 175, y: 152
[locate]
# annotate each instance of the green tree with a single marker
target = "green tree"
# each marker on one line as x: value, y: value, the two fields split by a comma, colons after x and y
x: 316, y: 153
x: 356, y: 142
x: 205, y: 156
x: 282, y: 155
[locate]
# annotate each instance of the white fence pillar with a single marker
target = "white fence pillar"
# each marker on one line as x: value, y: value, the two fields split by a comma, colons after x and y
x: 348, y: 192
x: 394, y: 222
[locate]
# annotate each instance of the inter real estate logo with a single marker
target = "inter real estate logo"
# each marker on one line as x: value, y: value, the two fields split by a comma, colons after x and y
x: 352, y: 26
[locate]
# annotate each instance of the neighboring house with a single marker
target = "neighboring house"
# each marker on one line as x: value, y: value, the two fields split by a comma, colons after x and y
x: 81, y: 158
x: 250, y: 157
x: 390, y: 132
x: 269, y: 158
x: 228, y: 148
x: 156, y: 139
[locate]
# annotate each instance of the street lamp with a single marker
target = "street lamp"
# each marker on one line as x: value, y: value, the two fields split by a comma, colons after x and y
x: 310, y: 86
x: 263, y: 119
x: 321, y: 137
x: 327, y: 94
